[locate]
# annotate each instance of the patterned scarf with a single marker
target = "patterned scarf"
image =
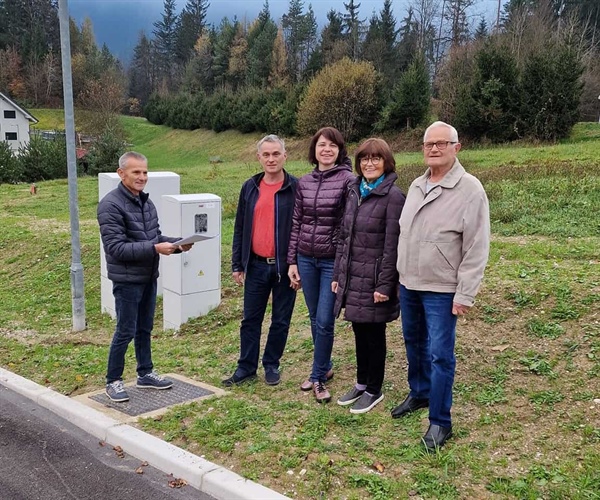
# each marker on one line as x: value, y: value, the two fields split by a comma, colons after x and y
x: 367, y: 187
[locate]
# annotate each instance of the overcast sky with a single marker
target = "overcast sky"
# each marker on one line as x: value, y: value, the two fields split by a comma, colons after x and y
x: 119, y: 22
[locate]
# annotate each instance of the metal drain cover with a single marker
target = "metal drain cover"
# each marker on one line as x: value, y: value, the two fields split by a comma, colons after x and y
x: 147, y: 400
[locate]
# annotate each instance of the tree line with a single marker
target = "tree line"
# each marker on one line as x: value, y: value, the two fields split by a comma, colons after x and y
x: 532, y: 73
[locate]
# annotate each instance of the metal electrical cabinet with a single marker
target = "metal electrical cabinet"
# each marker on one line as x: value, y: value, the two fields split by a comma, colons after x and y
x: 192, y: 280
x: 159, y: 183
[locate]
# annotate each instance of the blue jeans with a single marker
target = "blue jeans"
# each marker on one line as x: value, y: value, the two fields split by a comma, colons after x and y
x: 262, y: 280
x: 429, y: 330
x: 134, y: 304
x: 316, y: 276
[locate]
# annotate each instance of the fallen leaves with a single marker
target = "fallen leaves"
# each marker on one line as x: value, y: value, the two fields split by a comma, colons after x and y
x: 378, y: 466
x: 177, y: 483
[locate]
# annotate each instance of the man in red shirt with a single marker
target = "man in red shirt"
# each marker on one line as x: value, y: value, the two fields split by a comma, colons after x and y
x: 259, y: 261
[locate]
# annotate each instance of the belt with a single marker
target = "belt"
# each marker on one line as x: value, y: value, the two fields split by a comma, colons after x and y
x: 268, y: 260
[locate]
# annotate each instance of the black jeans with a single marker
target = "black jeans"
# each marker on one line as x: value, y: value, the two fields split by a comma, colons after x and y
x: 262, y: 281
x: 370, y: 354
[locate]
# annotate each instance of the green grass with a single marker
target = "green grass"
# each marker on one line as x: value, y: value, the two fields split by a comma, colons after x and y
x: 528, y: 355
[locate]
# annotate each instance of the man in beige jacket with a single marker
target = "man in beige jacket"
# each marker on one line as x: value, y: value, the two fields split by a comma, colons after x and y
x: 442, y: 253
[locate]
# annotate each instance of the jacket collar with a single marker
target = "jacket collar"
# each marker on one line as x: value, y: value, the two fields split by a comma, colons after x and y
x: 259, y: 177
x: 143, y: 197
x: 449, y: 181
x: 346, y: 164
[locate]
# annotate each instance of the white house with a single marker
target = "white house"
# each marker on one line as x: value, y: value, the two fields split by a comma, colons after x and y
x: 14, y: 123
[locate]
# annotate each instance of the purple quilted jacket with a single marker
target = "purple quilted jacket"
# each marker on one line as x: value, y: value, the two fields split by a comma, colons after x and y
x: 318, y: 211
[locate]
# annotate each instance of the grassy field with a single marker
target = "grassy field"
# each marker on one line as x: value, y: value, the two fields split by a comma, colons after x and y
x: 527, y: 399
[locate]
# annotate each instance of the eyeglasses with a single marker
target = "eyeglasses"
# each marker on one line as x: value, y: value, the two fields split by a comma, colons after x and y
x: 374, y: 160
x: 441, y: 145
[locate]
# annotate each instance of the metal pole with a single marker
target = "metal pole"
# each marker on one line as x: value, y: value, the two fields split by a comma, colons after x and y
x: 77, y: 294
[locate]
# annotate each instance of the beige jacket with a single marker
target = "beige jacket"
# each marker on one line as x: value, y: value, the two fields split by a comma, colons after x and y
x: 445, y: 236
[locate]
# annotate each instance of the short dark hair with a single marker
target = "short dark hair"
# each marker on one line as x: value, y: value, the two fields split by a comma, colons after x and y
x: 333, y: 135
x: 375, y: 147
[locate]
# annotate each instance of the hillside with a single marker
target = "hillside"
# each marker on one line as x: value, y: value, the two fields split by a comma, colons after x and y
x: 526, y: 410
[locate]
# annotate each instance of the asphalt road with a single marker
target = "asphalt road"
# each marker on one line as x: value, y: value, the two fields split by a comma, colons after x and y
x: 42, y: 456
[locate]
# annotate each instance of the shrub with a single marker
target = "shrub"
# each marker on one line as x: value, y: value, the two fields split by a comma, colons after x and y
x: 105, y: 152
x: 43, y: 160
x: 10, y: 168
x: 157, y: 109
x: 552, y: 87
x: 342, y: 95
x: 219, y: 110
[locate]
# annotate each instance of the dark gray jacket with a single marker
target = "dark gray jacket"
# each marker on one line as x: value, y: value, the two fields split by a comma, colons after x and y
x: 129, y: 230
x: 367, y: 253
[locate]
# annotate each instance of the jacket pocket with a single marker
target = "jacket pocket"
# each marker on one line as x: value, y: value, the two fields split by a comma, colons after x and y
x: 438, y: 262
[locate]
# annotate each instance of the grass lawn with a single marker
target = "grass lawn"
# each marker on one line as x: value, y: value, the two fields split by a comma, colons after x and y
x: 527, y: 394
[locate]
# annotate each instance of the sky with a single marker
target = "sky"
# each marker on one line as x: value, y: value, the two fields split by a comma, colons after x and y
x: 118, y: 23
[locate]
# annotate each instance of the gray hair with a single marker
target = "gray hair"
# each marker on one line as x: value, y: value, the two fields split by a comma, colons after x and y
x: 128, y: 155
x: 270, y: 138
x: 453, y: 132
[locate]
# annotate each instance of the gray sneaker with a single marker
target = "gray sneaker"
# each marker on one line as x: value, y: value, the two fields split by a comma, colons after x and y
x: 366, y: 403
x: 351, y: 396
x: 153, y: 380
x: 116, y: 391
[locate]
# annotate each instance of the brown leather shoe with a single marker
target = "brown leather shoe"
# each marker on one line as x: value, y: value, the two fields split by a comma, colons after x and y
x: 321, y: 393
x: 307, y: 385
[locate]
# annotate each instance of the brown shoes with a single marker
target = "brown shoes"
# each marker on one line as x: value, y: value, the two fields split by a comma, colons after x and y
x: 321, y: 393
x: 307, y: 385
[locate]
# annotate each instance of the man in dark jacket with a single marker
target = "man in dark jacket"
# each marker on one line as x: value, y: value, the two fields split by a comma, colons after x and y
x: 133, y: 244
x: 260, y: 241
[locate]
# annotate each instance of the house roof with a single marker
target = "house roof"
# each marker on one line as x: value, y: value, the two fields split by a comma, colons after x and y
x: 28, y: 115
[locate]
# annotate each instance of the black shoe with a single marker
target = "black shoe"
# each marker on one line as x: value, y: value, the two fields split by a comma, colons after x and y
x: 235, y: 379
x: 272, y: 376
x: 436, y: 436
x: 409, y: 405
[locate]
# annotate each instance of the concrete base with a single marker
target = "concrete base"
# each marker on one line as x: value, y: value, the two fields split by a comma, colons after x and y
x: 177, y: 309
x: 107, y: 299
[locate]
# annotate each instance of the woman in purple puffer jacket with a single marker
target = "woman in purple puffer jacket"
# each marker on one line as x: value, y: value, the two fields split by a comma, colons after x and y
x: 320, y: 197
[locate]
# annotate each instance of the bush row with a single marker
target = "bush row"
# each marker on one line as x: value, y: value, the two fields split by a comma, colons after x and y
x: 253, y: 109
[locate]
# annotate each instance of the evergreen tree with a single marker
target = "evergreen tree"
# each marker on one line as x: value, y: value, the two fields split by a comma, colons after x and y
x: 222, y: 46
x: 552, y: 88
x: 482, y: 30
x: 165, y: 33
x: 353, y: 28
x: 408, y: 44
x: 261, y: 37
x: 295, y: 37
x: 409, y: 103
x: 141, y: 72
x: 333, y: 43
x: 379, y: 46
x: 192, y: 21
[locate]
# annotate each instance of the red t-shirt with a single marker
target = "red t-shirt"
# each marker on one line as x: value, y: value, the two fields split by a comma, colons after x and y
x: 263, y: 229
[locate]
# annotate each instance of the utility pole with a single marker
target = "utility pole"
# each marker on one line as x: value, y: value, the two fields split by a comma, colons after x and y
x: 77, y: 294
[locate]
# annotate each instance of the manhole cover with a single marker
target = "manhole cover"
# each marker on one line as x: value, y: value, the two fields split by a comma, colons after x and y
x: 148, y: 400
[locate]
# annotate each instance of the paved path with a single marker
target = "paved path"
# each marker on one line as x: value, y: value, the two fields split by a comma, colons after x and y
x: 42, y: 456
x: 201, y: 474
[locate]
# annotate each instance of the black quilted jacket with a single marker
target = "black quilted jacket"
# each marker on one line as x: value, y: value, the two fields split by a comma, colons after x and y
x: 367, y: 253
x: 129, y: 230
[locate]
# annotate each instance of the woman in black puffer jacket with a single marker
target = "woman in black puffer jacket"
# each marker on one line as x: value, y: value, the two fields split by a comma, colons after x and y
x: 315, y: 226
x: 365, y: 278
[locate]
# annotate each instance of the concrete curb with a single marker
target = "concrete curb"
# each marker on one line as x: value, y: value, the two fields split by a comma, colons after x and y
x: 203, y: 475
